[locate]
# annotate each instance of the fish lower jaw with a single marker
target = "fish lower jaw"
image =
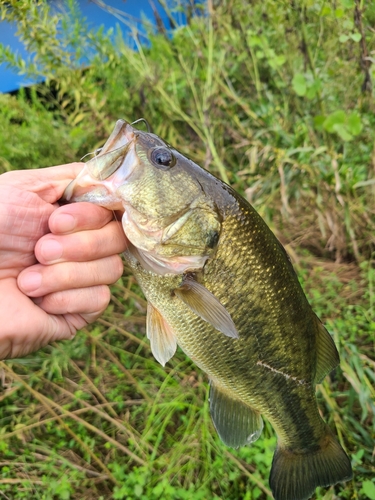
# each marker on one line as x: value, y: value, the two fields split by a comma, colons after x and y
x: 170, y: 265
x: 98, y: 195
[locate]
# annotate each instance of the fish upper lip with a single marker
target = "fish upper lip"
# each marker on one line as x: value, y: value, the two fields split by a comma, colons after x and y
x: 123, y: 130
x: 123, y: 135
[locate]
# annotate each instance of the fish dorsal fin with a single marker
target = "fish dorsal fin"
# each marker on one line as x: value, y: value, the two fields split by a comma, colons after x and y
x: 327, y: 357
x: 203, y: 303
x: 162, y: 338
x: 236, y: 423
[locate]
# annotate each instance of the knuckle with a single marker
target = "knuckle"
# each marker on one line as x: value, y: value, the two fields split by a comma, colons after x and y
x: 103, y: 297
x: 98, y: 298
x: 57, y: 301
x: 107, y: 270
x: 97, y: 245
x: 73, y: 274
x: 105, y: 243
x: 118, y: 267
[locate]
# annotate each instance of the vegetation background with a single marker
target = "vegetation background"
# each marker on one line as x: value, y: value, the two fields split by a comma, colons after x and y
x: 275, y: 98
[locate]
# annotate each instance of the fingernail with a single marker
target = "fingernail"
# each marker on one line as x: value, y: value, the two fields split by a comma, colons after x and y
x: 37, y: 300
x: 65, y: 223
x: 31, y: 281
x: 51, y: 250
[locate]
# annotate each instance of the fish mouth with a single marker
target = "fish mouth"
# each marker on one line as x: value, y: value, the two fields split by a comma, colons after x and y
x: 102, y: 175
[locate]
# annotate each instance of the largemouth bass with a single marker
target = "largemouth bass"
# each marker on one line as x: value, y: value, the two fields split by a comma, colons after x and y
x: 221, y: 286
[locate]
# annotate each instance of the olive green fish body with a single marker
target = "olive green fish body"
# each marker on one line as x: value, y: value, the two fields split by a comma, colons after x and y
x: 221, y: 286
x: 254, y: 280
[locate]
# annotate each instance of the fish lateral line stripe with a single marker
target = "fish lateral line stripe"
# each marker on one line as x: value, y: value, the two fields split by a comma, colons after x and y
x: 295, y: 379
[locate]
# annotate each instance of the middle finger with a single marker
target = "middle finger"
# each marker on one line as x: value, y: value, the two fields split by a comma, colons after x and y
x: 82, y: 246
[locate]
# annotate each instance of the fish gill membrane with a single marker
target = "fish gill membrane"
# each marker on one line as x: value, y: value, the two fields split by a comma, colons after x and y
x: 220, y: 285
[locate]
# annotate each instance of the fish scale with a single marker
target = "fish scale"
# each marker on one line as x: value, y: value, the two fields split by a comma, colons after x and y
x: 221, y: 286
x: 259, y: 335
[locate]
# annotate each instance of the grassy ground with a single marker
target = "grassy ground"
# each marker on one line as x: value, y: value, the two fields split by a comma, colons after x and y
x: 273, y: 99
x: 99, y: 416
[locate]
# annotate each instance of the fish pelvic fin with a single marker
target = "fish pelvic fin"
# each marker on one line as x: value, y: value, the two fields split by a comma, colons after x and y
x: 203, y: 303
x: 296, y: 474
x: 162, y: 338
x: 236, y: 423
x: 327, y: 354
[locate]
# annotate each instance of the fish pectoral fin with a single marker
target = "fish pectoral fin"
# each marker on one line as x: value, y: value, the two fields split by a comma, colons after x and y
x: 327, y: 357
x: 236, y: 423
x: 162, y: 338
x: 203, y: 303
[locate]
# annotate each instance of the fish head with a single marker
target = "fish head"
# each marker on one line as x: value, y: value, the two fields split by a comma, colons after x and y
x: 173, y: 225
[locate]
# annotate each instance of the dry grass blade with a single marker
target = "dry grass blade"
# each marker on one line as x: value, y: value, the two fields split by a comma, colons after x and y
x: 48, y: 405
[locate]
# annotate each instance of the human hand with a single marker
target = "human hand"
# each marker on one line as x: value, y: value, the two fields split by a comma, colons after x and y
x: 55, y: 262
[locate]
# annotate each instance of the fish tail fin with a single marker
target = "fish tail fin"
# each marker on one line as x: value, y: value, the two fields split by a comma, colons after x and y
x: 296, y: 474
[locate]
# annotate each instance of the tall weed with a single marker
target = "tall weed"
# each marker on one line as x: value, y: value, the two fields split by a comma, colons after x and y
x: 274, y: 97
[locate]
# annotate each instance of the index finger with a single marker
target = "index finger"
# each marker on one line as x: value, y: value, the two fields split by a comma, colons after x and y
x: 49, y: 183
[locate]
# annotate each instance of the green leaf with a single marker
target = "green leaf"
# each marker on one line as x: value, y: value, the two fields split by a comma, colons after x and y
x: 280, y: 60
x: 64, y: 495
x: 254, y: 40
x: 313, y: 88
x: 120, y: 493
x: 347, y: 4
x: 354, y: 124
x: 343, y: 38
x: 368, y: 489
x: 346, y: 126
x: 335, y: 118
x: 299, y: 84
x: 311, y: 92
x: 326, y: 11
x: 138, y: 490
x: 356, y: 37
x: 348, y: 24
x: 318, y: 121
x: 342, y: 131
x: 339, y: 13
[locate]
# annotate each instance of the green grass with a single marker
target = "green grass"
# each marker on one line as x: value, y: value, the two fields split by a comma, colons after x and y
x: 269, y: 99
x: 98, y: 417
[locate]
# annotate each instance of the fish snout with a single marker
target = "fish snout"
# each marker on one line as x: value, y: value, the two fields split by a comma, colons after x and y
x: 102, y: 175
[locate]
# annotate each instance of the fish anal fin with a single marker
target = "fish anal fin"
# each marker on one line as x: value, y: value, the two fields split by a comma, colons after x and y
x: 236, y: 423
x: 203, y: 303
x: 162, y: 338
x: 296, y: 474
x: 327, y: 355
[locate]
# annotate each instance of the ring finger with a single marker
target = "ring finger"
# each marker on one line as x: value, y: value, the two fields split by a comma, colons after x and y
x: 89, y: 302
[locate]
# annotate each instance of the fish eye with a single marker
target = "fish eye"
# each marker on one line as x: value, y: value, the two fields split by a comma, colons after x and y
x: 162, y: 158
x: 212, y: 239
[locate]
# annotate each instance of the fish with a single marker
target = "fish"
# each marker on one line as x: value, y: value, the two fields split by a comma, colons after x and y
x: 221, y: 286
